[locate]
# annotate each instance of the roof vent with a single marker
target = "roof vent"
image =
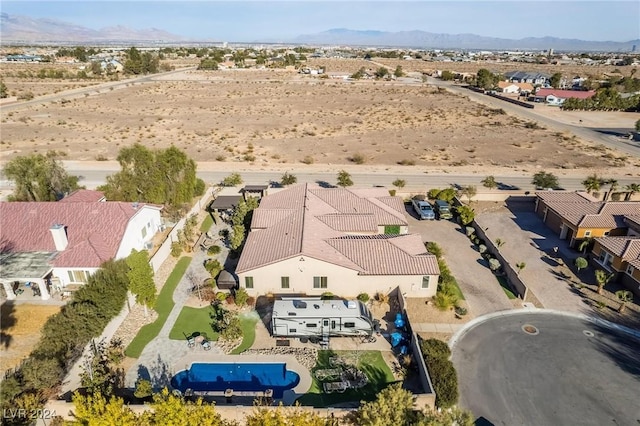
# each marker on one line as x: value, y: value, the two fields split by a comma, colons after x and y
x: 351, y: 304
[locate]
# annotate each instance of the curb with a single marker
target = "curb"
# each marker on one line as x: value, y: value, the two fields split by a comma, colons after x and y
x: 597, y: 321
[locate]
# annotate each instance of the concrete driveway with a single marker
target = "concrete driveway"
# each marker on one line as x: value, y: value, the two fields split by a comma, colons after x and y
x: 528, y: 240
x: 478, y: 284
x: 568, y: 372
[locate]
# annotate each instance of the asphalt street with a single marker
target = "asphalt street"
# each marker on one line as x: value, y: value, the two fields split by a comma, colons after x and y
x: 571, y: 372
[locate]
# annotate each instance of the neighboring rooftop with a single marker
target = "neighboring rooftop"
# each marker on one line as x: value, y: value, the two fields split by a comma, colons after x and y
x: 565, y: 94
x: 84, y: 196
x: 626, y: 248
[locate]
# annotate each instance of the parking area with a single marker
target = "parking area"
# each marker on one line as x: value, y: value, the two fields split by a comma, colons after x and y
x: 479, y: 285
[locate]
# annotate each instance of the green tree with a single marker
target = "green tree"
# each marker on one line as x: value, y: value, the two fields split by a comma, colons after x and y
x: 613, y: 187
x: 39, y: 178
x: 3, y: 90
x: 469, y: 191
x: 381, y: 72
x: 237, y: 237
x: 144, y: 389
x: 344, y: 179
x: 451, y: 417
x: 208, y: 64
x: 489, y: 182
x: 447, y: 75
x: 392, y: 406
x: 592, y: 183
x: 141, y: 279
x: 100, y: 373
x: 638, y: 126
x: 632, y: 188
x: 398, y: 72
x: 466, y: 214
x: 602, y: 278
x: 486, y: 79
x: 581, y: 263
x: 358, y: 74
x: 41, y: 373
x: 170, y: 409
x: 234, y: 179
x: 262, y: 416
x: 545, y: 180
x: 624, y: 296
x: 399, y: 183
x: 447, y: 194
x: 288, y: 179
x: 555, y: 80
x: 96, y: 410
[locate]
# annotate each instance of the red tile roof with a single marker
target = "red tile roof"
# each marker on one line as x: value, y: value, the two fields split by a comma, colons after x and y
x: 94, y: 230
x: 581, y: 210
x: 565, y: 94
x: 306, y: 220
x: 83, y: 196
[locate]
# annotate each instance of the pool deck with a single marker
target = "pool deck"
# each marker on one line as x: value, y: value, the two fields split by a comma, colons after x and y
x: 289, y: 397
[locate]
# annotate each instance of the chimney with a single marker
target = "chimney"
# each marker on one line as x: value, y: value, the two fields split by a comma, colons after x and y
x: 59, y: 234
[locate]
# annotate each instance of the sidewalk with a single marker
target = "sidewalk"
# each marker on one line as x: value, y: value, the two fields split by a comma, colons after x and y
x: 435, y: 328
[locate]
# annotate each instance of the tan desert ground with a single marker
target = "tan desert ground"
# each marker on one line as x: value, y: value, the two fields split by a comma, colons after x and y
x: 282, y: 118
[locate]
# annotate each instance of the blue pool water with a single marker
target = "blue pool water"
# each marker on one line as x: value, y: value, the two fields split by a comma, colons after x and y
x: 237, y: 376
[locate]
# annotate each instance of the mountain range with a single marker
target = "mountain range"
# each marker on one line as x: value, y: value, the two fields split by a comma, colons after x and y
x: 24, y: 29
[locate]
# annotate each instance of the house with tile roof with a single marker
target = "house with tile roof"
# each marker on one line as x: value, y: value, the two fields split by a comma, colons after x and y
x: 557, y: 96
x: 509, y: 87
x: 620, y: 255
x: 311, y: 240
x: 576, y: 216
x: 58, y: 245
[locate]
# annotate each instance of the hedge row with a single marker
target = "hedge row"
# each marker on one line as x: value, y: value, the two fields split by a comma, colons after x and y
x: 443, y: 374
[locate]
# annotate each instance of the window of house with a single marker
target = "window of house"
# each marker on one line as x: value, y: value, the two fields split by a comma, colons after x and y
x: 144, y: 232
x: 284, y: 282
x: 587, y: 233
x: 78, y: 276
x: 319, y: 282
x: 248, y: 282
x: 425, y: 281
x: 292, y: 330
x: 349, y: 324
x: 606, y: 234
x: 630, y: 270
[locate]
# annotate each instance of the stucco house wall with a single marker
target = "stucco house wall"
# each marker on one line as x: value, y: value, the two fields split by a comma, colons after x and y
x: 147, y: 219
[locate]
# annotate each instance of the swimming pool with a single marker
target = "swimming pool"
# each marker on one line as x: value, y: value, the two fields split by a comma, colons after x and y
x: 253, y: 377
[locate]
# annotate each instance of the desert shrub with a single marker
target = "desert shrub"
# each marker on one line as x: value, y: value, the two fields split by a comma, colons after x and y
x: 213, y: 267
x: 392, y: 192
x: 26, y: 96
x: 176, y: 249
x: 232, y: 330
x: 494, y: 264
x: 443, y: 374
x: 466, y: 214
x: 433, y: 193
x: 213, y: 250
x: 434, y: 348
x: 381, y: 297
x: 363, y: 297
x: 470, y: 231
x: 230, y: 299
x: 357, y: 158
x: 308, y: 160
x: 433, y: 248
x: 221, y: 296
x: 234, y: 179
x: 241, y: 296
x: 482, y: 248
x: 406, y: 162
x: 447, y: 195
x: 327, y: 295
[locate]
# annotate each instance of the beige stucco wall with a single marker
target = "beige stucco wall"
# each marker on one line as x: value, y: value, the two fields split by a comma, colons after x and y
x: 341, y: 281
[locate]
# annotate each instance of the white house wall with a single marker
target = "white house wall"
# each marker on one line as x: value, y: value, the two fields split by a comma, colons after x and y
x: 146, y: 217
x: 341, y: 281
x: 63, y: 274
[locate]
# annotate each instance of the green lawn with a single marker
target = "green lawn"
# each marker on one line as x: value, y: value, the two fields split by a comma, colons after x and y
x: 193, y: 320
x: 458, y: 291
x: 371, y: 362
x: 248, y: 324
x: 207, y: 223
x: 163, y: 307
x: 505, y: 286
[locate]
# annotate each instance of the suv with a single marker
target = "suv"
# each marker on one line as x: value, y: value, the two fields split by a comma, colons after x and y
x: 443, y: 209
x: 424, y: 209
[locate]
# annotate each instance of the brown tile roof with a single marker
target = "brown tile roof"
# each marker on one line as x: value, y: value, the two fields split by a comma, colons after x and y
x: 633, y: 220
x: 94, y: 230
x: 626, y: 248
x: 610, y: 215
x: 566, y: 196
x: 83, y: 196
x: 306, y: 220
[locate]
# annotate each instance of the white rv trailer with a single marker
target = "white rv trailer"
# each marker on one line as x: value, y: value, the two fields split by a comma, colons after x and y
x: 314, y: 317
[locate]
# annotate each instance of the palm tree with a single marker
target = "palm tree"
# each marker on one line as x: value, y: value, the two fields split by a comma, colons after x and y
x: 603, y: 279
x: 631, y: 189
x: 624, y: 296
x: 593, y: 183
x: 613, y: 186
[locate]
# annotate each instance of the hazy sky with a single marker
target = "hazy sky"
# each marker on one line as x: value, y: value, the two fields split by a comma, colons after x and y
x: 260, y: 20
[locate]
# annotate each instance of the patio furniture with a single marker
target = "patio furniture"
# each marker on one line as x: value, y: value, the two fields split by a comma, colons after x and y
x: 191, y: 342
x: 328, y: 374
x: 206, y: 345
x: 339, y: 387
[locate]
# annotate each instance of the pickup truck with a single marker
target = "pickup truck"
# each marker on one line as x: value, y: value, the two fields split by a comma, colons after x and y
x: 443, y: 210
x: 424, y: 209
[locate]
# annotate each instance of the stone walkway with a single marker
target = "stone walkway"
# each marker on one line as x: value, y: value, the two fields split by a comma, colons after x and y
x: 161, y: 354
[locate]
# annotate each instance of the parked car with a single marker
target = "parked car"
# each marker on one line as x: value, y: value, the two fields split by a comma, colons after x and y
x: 443, y: 210
x: 424, y: 209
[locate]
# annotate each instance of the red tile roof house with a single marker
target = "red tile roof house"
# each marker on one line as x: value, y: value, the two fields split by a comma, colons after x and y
x: 59, y: 244
x: 557, y: 96
x: 576, y: 216
x: 311, y: 240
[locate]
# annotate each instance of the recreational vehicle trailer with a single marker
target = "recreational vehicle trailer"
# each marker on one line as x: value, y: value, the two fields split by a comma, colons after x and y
x: 314, y: 317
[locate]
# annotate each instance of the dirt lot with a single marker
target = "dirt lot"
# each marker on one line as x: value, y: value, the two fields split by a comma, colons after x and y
x: 270, y: 117
x: 21, y: 325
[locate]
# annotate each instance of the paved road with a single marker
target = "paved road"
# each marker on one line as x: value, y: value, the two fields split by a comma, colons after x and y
x: 94, y: 173
x: 480, y: 287
x: 558, y: 377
